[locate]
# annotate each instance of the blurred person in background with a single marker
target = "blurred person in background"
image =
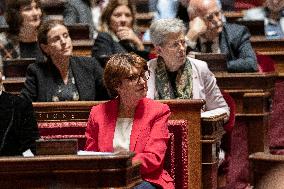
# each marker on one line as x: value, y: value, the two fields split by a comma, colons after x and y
x: 62, y: 77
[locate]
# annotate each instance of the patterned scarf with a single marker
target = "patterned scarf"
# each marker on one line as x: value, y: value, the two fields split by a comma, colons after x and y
x: 183, y: 81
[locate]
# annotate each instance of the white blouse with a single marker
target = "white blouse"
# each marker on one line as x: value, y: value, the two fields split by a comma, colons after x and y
x: 121, y: 139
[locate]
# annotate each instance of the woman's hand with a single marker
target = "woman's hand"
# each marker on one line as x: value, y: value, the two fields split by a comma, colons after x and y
x: 126, y: 33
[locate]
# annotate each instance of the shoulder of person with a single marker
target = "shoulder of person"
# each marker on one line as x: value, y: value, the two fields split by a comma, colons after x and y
x: 155, y: 105
x: 84, y: 60
x: 104, y: 108
x: 152, y: 64
x: 232, y: 27
x: 104, y: 36
x: 199, y: 64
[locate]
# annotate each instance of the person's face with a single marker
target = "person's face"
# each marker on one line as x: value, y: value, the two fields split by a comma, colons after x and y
x: 275, y: 5
x: 121, y: 17
x: 59, y: 43
x: 31, y: 15
x: 134, y: 87
x: 173, y: 51
x: 213, y: 19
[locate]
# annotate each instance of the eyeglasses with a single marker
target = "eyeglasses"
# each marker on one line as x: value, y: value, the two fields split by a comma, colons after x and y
x: 177, y: 44
x: 145, y: 75
x: 211, y: 16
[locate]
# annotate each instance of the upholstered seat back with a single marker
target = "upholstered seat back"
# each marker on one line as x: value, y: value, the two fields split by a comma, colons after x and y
x: 176, y: 160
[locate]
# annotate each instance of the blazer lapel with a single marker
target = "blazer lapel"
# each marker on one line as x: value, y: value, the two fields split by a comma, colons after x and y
x: 109, y: 124
x: 138, y: 123
x: 83, y: 81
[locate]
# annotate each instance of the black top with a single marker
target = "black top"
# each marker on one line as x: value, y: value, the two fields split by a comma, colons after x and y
x: 18, y: 126
x: 42, y: 80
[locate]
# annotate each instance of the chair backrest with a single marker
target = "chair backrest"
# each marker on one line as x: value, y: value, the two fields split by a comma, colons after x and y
x: 176, y: 159
x: 16, y: 67
x: 64, y: 130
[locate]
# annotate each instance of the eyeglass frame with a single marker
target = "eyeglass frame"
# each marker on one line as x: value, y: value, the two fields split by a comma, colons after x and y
x: 138, y: 77
x: 210, y: 17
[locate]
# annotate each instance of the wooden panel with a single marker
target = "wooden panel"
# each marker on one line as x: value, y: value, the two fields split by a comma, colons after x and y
x: 69, y: 171
x: 83, y: 47
x: 216, y: 62
x: 252, y: 94
x: 262, y: 163
x: 232, y: 16
x: 16, y: 67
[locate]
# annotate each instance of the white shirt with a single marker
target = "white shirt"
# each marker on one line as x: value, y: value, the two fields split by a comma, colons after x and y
x: 121, y: 139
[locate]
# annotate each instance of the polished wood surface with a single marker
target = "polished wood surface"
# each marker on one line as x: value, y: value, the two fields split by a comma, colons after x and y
x: 261, y: 163
x: 16, y: 67
x: 273, y: 48
x: 252, y: 93
x: 69, y: 171
x: 217, y: 62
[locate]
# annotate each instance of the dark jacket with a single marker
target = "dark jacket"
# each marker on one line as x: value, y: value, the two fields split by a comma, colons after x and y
x: 235, y: 43
x: 105, y: 46
x: 18, y: 126
x: 42, y: 78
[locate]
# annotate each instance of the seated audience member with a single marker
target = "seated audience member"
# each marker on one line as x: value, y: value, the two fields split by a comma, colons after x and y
x: 62, y: 77
x: 19, y: 129
x: 20, y: 41
x: 207, y: 33
x: 177, y: 76
x: 117, y: 32
x: 84, y: 11
x: 131, y: 122
x: 273, y: 16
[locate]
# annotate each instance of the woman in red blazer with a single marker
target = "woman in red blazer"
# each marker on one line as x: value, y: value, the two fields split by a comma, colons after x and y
x: 131, y: 122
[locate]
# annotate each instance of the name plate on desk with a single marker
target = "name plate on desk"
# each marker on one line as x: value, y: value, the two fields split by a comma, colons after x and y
x: 217, y: 62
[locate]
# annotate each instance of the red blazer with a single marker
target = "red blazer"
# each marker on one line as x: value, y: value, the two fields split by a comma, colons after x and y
x: 149, y: 136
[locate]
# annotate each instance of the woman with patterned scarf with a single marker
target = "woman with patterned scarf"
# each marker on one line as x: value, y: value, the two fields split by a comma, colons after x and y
x: 176, y: 76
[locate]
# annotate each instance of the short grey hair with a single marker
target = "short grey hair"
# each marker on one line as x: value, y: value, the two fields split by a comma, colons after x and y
x: 160, y: 29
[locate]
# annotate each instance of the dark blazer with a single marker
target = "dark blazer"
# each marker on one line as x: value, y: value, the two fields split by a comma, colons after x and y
x: 148, y: 139
x: 235, y: 43
x: 78, y: 11
x: 105, y: 46
x: 18, y: 126
x: 41, y: 80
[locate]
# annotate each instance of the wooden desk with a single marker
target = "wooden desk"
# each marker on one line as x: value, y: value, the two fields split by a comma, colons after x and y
x: 69, y: 171
x: 212, y: 132
x: 265, y: 46
x: 14, y: 85
x: 232, y: 16
x: 182, y: 109
x: 262, y: 163
x: 82, y: 47
x: 16, y: 67
x: 270, y: 47
x: 252, y: 93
